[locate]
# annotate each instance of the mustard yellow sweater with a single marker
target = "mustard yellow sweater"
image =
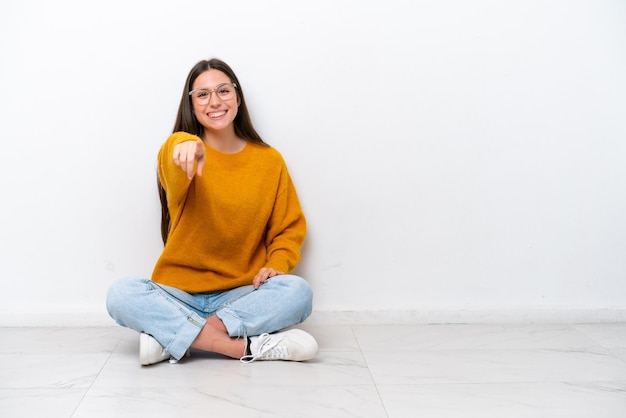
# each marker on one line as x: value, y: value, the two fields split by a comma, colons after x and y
x: 242, y: 214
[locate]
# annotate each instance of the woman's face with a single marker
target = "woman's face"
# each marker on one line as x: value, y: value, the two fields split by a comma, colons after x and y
x: 213, y: 105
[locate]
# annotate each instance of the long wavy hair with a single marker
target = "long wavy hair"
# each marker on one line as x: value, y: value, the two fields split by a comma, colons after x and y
x: 186, y: 121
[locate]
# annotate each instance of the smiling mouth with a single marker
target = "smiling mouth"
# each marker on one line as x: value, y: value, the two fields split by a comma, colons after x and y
x: 217, y: 114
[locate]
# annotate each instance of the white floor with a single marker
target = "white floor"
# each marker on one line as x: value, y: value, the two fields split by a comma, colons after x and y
x: 362, y: 371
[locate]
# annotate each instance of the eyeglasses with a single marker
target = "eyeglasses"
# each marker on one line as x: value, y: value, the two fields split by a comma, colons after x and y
x: 224, y: 91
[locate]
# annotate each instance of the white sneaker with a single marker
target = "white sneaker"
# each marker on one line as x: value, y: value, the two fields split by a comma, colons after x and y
x: 294, y: 345
x: 150, y: 351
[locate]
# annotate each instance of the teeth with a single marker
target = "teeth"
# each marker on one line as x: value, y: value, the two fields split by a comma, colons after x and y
x: 216, y: 114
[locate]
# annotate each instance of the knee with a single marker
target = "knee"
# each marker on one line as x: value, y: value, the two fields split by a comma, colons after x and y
x: 296, y: 285
x: 119, y: 294
x: 301, y: 294
x: 114, y: 297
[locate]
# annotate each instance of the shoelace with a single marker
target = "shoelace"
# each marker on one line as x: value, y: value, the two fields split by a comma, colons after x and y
x: 267, y: 350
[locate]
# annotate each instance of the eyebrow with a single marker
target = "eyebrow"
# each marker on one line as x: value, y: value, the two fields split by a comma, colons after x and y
x: 209, y: 88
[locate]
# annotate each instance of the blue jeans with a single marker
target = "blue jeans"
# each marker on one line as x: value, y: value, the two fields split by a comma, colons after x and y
x: 174, y: 317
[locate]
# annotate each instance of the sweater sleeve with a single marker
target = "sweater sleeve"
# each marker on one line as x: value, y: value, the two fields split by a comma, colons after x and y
x: 286, y: 227
x: 173, y: 179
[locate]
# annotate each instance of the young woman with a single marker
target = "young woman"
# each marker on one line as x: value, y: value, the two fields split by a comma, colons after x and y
x: 232, y: 227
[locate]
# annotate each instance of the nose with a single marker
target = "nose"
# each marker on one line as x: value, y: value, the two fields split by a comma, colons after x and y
x: 214, y: 101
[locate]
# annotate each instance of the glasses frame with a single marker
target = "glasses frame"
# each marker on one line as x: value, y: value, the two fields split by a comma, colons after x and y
x: 211, y: 91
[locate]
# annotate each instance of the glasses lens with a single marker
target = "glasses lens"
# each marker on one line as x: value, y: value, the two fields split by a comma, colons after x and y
x: 201, y: 95
x: 225, y: 92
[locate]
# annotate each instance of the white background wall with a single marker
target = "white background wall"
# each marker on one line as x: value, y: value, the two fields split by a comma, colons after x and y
x: 457, y: 160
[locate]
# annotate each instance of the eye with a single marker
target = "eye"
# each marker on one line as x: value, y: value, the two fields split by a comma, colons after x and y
x: 202, y: 94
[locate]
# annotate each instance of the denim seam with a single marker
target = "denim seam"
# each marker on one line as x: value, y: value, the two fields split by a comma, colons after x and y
x: 191, y: 317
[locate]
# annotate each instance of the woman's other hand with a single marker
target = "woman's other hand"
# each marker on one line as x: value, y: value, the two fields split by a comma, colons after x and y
x: 264, y: 274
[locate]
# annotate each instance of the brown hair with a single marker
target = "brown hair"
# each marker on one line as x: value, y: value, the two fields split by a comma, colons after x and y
x: 186, y: 122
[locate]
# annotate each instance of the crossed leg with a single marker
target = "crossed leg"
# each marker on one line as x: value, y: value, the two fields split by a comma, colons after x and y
x: 214, y: 337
